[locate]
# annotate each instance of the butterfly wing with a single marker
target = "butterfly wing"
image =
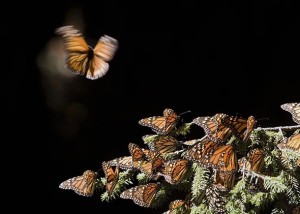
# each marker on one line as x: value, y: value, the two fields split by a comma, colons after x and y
x: 136, y: 152
x: 162, y: 125
x: 164, y: 144
x: 76, y: 48
x: 294, y: 109
x: 83, y: 185
x: 104, y: 51
x: 111, y: 177
x: 141, y: 195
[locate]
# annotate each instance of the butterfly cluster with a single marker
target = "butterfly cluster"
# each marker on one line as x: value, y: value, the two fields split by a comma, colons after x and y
x: 232, y: 149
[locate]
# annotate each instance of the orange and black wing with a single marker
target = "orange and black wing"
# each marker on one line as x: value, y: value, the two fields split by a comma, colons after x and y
x: 141, y: 195
x: 162, y: 125
x: 83, y: 185
x: 111, y: 177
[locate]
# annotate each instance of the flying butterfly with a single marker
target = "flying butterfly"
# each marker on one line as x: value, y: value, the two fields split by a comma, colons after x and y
x: 162, y: 125
x: 111, y: 177
x: 294, y: 109
x: 83, y: 185
x: 83, y: 59
x: 142, y: 195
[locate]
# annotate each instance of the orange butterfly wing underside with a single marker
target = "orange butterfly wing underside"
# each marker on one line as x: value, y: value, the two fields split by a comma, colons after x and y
x: 141, y: 195
x: 111, y: 177
x: 83, y: 59
x: 164, y: 144
x: 175, y: 170
x: 161, y: 124
x: 83, y: 185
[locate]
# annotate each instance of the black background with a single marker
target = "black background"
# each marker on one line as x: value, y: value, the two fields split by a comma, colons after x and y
x: 204, y: 57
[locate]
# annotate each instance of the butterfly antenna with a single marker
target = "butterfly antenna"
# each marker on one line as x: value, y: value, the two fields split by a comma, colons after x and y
x: 184, y: 113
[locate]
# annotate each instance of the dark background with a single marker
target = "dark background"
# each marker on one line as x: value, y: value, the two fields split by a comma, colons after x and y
x: 204, y: 57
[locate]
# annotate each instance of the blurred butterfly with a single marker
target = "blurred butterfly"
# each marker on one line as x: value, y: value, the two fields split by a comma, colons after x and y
x: 164, y: 144
x: 224, y: 181
x: 294, y: 109
x: 291, y: 143
x: 213, y: 127
x: 83, y: 185
x: 142, y: 195
x: 174, y: 171
x: 162, y: 125
x: 83, y: 59
x: 111, y: 177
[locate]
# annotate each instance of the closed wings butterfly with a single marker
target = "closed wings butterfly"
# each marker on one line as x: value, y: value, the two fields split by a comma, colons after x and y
x: 162, y: 125
x: 213, y: 127
x: 142, y: 195
x: 83, y: 59
x: 254, y: 161
x: 111, y: 177
x: 174, y: 171
x: 83, y: 185
x: 164, y: 144
x: 240, y: 126
x: 294, y: 109
x: 291, y: 143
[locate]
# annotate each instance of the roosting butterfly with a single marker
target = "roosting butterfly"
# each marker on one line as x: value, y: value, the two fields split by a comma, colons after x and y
x: 111, y: 177
x: 142, y: 195
x: 83, y: 59
x: 83, y: 185
x: 162, y: 125
x: 294, y: 109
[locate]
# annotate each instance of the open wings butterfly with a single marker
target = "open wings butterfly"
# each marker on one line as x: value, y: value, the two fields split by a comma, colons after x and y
x: 83, y: 59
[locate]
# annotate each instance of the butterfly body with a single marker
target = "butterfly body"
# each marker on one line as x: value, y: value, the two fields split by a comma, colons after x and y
x: 83, y: 59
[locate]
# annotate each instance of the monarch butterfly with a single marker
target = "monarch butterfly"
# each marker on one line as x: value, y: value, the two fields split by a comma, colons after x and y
x: 254, y: 161
x: 223, y: 158
x: 136, y: 152
x: 142, y: 195
x: 83, y: 185
x: 294, y: 109
x: 149, y: 167
x: 292, y: 143
x: 162, y: 125
x: 224, y: 180
x: 179, y: 206
x: 111, y: 177
x: 240, y: 127
x: 123, y: 162
x: 213, y: 127
x: 164, y: 144
x: 174, y: 170
x: 200, y: 150
x: 83, y: 59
